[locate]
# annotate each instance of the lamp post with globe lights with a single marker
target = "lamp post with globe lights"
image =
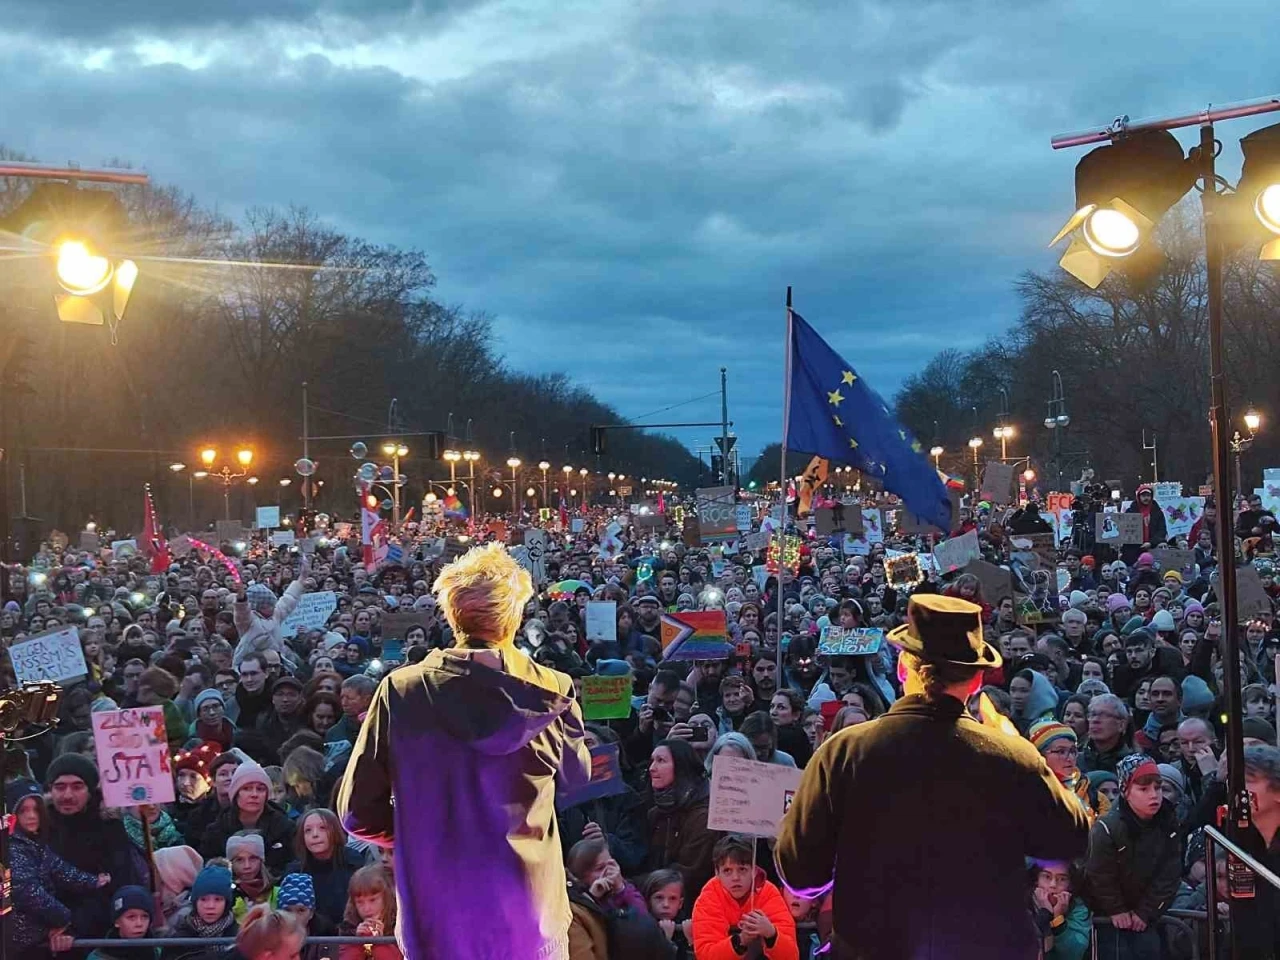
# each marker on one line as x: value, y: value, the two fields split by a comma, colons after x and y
x: 1239, y: 444
x: 544, y: 466
x: 227, y: 474
x: 975, y: 444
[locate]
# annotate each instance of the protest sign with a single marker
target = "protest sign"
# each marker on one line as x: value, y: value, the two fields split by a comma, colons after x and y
x: 133, y: 756
x: 53, y: 655
x: 695, y: 635
x: 756, y: 542
x: 717, y: 512
x: 229, y: 530
x: 1166, y: 490
x: 397, y: 623
x: 606, y: 698
x: 311, y: 613
x: 872, y: 524
x: 1038, y: 549
x: 124, y: 548
x: 689, y: 532
x: 750, y: 797
x: 760, y: 575
x: 535, y: 542
x: 1251, y: 596
x: 997, y: 482
x: 1170, y: 559
x: 576, y: 525
x: 904, y: 570
x: 89, y: 541
x: 997, y: 583
x: 954, y: 553
x: 267, y: 518
x: 855, y: 544
x: 1118, y: 529
x: 651, y: 520
x: 742, y: 516
x: 854, y: 642
x: 606, y: 779
x: 180, y: 546
x: 602, y: 621
x: 283, y: 538
x: 1181, y: 514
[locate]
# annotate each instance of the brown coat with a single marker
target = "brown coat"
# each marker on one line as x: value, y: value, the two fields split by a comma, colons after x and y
x: 923, y: 819
x: 588, y: 936
x: 679, y: 838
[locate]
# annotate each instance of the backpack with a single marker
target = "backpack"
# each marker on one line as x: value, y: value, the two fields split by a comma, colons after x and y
x: 632, y: 935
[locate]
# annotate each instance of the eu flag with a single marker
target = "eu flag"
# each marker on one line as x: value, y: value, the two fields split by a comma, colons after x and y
x: 834, y: 413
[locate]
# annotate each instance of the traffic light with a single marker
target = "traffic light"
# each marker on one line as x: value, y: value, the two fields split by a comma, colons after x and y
x: 81, y: 230
x: 597, y: 441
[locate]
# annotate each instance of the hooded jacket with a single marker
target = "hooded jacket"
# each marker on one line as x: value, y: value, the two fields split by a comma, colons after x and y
x: 1042, y: 701
x: 43, y: 883
x: 471, y: 754
x: 1134, y: 865
x: 259, y: 634
x: 716, y: 915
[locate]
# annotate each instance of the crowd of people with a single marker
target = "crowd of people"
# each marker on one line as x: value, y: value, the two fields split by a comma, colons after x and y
x: 1119, y: 686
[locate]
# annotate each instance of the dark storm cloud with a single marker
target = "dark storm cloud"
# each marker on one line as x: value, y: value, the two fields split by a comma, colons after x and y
x: 628, y: 189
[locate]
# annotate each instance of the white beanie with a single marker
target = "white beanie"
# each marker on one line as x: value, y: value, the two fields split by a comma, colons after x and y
x: 249, y: 842
x: 248, y: 773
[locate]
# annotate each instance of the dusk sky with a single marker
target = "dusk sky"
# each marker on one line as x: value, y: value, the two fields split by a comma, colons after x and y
x: 628, y: 187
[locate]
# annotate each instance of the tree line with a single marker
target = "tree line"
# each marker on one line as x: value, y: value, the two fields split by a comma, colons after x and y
x: 228, y: 319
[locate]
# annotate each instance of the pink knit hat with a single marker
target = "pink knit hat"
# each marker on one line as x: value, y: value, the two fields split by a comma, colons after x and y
x: 176, y: 868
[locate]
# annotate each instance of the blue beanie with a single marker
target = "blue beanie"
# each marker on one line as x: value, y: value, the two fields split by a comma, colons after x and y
x: 18, y: 790
x: 204, y: 696
x: 1196, y: 695
x: 297, y: 889
x: 212, y: 882
x: 131, y: 897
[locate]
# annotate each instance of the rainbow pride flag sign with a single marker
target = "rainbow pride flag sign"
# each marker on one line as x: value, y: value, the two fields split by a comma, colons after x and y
x: 696, y: 635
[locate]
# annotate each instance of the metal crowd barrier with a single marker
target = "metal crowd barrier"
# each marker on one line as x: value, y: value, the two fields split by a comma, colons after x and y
x: 1212, y: 836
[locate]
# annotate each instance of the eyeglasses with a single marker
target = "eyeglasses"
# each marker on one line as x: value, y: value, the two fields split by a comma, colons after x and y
x: 1063, y: 751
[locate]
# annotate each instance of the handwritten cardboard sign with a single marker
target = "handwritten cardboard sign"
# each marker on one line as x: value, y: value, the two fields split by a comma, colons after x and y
x: 311, y: 613
x: 954, y: 553
x: 535, y: 543
x: 750, y: 797
x: 1251, y: 595
x: 90, y: 541
x: 133, y: 756
x: 122, y: 549
x: 997, y: 482
x: 757, y: 542
x: 229, y: 531
x: 606, y: 778
x: 53, y: 655
x: 856, y: 642
x: 606, y: 698
x: 283, y: 538
x: 602, y: 621
x: 267, y: 518
x: 1171, y: 559
x: 997, y: 582
x: 1118, y: 529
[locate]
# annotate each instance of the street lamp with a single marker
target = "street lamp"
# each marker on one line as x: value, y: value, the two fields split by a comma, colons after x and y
x: 975, y: 444
x: 1003, y: 433
x: 936, y: 452
x: 395, y: 450
x: 1137, y: 175
x: 544, y: 466
x: 514, y: 463
x: 244, y: 457
x: 1239, y: 444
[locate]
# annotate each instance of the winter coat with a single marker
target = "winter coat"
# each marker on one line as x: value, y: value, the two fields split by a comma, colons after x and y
x: 972, y: 796
x: 1133, y: 865
x: 277, y: 836
x: 716, y: 915
x: 497, y: 740
x: 1072, y: 937
x: 679, y: 837
x: 42, y: 881
x: 618, y: 928
x: 182, y: 927
x: 96, y: 844
x: 260, y: 634
x: 124, y: 949
x: 331, y: 878
x: 621, y: 817
x: 223, y: 734
x: 375, y: 951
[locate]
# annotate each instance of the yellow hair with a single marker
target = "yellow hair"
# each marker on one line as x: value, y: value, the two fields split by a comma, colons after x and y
x: 483, y: 594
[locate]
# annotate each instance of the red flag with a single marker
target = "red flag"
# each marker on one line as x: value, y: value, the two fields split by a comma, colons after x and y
x: 662, y: 503
x: 154, y: 545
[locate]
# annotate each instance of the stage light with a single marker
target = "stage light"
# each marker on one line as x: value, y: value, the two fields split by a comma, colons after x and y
x: 1260, y: 183
x: 81, y: 272
x: 1122, y: 191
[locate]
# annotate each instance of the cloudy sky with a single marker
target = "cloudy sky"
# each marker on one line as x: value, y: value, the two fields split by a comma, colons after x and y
x: 629, y: 185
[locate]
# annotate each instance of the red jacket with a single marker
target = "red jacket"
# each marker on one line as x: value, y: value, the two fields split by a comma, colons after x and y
x: 716, y: 915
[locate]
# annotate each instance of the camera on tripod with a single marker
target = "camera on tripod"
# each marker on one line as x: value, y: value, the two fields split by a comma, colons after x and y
x: 31, y: 703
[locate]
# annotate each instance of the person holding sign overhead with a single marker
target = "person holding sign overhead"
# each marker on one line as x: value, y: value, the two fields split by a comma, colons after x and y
x: 887, y: 812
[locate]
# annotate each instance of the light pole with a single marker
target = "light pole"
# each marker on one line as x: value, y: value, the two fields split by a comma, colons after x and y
x: 1057, y: 420
x: 544, y: 466
x: 472, y: 457
x: 936, y: 452
x: 1239, y: 444
x: 1122, y: 190
x: 395, y: 450
x: 975, y: 444
x: 244, y: 457
x: 514, y: 463
x: 191, y: 493
x: 586, y: 485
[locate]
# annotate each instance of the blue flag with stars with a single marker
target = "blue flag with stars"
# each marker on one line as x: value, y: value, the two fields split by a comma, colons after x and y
x: 834, y: 413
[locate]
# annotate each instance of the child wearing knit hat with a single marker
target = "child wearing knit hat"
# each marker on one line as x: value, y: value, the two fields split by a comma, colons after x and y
x: 253, y: 882
x: 210, y: 913
x: 1135, y: 861
x: 131, y: 916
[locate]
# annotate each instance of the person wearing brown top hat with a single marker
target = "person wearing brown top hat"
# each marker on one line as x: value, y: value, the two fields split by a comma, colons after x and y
x: 922, y: 819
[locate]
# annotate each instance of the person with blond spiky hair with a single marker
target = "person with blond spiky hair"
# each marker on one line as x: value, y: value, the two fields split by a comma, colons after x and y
x: 455, y: 768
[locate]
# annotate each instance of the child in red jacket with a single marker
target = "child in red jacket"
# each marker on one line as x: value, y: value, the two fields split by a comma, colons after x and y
x: 739, y: 907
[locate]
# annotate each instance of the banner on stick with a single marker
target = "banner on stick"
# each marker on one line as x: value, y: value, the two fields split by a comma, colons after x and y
x: 133, y: 756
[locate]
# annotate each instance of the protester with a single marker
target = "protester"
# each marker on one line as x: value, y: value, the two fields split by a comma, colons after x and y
x: 250, y: 809
x: 267, y: 934
x: 739, y: 910
x: 610, y: 916
x: 210, y: 914
x: 370, y: 912
x: 664, y: 893
x: 131, y: 918
x: 679, y: 798
x: 320, y: 846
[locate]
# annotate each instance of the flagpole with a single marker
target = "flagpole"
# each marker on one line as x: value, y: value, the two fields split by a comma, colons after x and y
x: 782, y: 477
